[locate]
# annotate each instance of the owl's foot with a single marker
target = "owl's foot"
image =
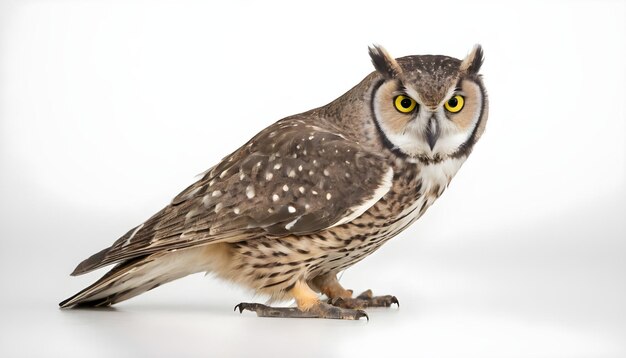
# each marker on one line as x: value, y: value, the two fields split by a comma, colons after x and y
x: 364, y: 300
x: 319, y: 310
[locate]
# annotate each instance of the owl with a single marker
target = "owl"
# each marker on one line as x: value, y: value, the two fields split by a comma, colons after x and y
x: 312, y: 194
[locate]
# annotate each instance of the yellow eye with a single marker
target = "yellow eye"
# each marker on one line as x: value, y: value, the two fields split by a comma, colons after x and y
x: 404, y: 104
x: 455, y: 104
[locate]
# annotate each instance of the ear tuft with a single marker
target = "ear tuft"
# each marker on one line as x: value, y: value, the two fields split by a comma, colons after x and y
x: 473, y: 61
x: 383, y: 62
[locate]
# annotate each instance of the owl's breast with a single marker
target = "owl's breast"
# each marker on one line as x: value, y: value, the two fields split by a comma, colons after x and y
x: 415, y: 189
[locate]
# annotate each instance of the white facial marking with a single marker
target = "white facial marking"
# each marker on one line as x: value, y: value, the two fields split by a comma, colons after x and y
x: 412, y: 138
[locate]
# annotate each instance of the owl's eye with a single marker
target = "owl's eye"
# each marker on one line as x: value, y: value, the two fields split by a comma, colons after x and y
x: 455, y: 104
x: 404, y: 104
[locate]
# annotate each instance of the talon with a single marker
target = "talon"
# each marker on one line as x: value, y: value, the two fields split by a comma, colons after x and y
x: 360, y: 314
x: 395, y: 300
x: 240, y: 306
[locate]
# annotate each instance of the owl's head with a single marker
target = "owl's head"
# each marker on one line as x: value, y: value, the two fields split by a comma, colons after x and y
x: 429, y: 107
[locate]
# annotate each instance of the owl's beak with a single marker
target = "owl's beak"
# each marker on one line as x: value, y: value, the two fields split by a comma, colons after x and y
x: 432, y: 132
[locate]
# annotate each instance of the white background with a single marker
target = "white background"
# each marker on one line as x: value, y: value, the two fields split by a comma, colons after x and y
x: 109, y: 108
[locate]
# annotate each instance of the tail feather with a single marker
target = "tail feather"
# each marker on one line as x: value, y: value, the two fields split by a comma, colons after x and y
x: 136, y: 276
x: 90, y: 263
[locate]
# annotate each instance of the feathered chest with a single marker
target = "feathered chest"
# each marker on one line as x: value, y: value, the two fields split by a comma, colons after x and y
x: 415, y: 188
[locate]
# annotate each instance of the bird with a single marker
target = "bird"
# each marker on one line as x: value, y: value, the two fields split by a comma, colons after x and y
x: 311, y: 194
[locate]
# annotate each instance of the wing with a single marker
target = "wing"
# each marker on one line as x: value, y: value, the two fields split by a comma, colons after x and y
x: 292, y: 178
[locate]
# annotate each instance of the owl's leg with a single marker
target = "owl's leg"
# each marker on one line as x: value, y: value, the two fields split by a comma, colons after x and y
x: 340, y: 297
x: 309, y: 306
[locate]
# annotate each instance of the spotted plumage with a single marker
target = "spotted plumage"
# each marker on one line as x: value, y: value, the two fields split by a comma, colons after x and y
x: 312, y: 194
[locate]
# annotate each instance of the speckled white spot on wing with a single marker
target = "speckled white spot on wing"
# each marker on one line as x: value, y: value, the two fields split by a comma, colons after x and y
x: 291, y: 209
x: 250, y: 191
x: 191, y: 214
x: 291, y: 224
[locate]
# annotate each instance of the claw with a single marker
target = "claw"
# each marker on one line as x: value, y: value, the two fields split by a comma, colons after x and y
x: 247, y: 306
x: 241, y: 307
x: 395, y: 300
x: 360, y: 314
